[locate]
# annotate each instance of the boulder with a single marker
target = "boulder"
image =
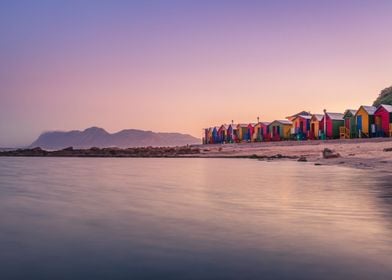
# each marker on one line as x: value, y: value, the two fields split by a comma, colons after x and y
x: 302, y: 159
x: 328, y: 153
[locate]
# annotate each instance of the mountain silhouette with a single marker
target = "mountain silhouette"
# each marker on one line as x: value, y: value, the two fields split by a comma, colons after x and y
x: 98, y: 137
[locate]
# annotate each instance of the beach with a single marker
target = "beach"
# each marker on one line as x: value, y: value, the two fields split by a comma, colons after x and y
x: 375, y: 153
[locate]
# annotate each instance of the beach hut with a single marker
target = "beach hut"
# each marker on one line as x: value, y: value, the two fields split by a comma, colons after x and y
x: 315, y: 120
x: 242, y: 130
x: 333, y: 123
x: 280, y: 130
x: 301, y: 127
x: 251, y: 128
x: 348, y: 130
x: 364, y: 119
x: 260, y: 132
x: 303, y: 113
x: 232, y: 134
x: 222, y: 133
x: 383, y: 120
x: 206, y: 136
x: 214, y: 135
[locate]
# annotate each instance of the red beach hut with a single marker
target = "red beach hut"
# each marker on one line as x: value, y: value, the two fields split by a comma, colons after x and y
x: 383, y: 120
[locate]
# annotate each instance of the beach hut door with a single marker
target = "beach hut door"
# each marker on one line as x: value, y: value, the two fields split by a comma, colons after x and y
x: 359, y: 123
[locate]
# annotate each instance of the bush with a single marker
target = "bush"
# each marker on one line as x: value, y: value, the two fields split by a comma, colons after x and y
x: 385, y: 97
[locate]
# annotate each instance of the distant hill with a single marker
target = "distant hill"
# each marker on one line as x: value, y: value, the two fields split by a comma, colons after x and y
x: 385, y: 97
x: 98, y: 137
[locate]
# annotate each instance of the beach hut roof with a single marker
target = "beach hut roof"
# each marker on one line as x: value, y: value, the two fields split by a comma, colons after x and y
x: 369, y: 109
x: 242, y: 125
x: 386, y: 107
x: 302, y: 113
x: 225, y: 126
x: 335, y: 116
x: 352, y: 111
x: 234, y: 125
x: 307, y: 117
x: 284, y: 122
x: 318, y: 117
x: 265, y: 123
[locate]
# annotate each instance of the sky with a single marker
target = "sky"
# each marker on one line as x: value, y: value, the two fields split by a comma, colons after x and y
x: 180, y: 66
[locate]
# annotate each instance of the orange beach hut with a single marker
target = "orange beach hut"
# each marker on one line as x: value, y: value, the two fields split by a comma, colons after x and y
x: 365, y: 121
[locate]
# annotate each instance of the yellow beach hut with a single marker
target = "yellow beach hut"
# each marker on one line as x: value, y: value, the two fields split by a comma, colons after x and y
x: 315, y: 126
x: 364, y: 119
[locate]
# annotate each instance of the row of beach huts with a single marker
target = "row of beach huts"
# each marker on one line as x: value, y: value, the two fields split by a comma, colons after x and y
x: 365, y: 122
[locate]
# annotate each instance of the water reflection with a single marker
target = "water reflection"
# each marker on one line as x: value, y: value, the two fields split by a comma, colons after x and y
x: 192, y: 219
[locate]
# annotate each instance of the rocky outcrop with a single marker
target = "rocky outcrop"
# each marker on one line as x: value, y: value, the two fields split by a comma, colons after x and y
x: 107, y: 152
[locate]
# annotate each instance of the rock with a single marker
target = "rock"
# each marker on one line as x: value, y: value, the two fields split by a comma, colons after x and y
x: 317, y: 163
x: 388, y: 150
x: 328, y: 153
x: 302, y: 159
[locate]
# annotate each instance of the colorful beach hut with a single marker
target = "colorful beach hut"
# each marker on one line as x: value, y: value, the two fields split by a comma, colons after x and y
x: 232, y: 134
x: 303, y: 113
x: 383, y: 120
x: 251, y: 128
x: 212, y: 135
x: 280, y: 130
x: 206, y: 138
x: 301, y: 127
x: 242, y: 130
x: 260, y: 132
x: 333, y: 123
x: 222, y: 133
x: 349, y: 129
x: 315, y: 120
x: 364, y: 118
x: 215, y: 135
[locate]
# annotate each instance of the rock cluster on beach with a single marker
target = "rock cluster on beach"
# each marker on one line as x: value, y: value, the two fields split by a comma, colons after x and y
x: 107, y: 152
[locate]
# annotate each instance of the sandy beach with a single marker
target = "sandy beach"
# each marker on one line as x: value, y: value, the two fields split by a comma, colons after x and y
x: 373, y: 153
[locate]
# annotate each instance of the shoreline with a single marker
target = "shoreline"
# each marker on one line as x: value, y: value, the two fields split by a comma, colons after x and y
x: 374, y: 153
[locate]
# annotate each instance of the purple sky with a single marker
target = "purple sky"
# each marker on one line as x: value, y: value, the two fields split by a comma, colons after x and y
x: 184, y: 65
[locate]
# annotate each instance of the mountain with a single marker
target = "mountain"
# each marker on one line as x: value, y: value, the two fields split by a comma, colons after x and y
x: 98, y: 137
x: 385, y: 97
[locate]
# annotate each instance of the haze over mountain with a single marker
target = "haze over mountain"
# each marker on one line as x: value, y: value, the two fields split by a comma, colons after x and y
x: 98, y: 137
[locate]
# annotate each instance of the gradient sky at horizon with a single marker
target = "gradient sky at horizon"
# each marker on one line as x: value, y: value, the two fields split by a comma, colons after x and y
x: 184, y: 65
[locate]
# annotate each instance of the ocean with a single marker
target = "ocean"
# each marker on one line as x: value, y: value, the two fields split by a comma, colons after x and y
x: 125, y: 218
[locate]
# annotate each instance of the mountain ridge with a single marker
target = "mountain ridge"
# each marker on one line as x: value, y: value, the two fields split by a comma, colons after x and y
x: 99, y: 137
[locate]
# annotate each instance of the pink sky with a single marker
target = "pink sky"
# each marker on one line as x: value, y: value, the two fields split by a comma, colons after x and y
x: 180, y: 66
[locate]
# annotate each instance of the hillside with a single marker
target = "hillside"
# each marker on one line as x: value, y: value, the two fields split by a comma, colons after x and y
x: 98, y: 137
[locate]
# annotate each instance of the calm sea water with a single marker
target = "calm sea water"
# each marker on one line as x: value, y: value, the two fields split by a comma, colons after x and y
x: 192, y: 219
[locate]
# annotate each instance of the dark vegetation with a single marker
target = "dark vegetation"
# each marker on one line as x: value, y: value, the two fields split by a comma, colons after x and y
x: 385, y: 97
